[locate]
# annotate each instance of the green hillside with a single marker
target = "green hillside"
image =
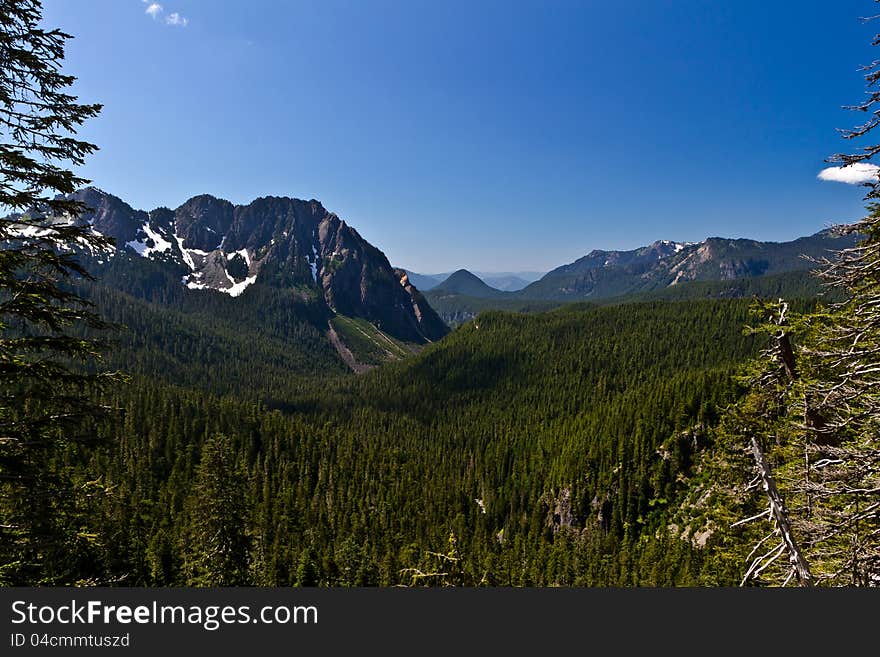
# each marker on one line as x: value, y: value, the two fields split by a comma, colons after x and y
x: 455, y: 309
x: 529, y: 449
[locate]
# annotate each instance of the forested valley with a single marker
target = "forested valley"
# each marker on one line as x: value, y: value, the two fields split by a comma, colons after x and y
x: 545, y: 449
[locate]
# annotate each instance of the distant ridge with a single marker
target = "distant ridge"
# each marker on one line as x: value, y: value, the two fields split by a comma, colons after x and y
x: 605, y: 274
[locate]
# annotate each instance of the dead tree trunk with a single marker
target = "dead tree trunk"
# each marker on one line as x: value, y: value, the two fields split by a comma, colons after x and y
x: 783, y: 343
x: 777, y: 510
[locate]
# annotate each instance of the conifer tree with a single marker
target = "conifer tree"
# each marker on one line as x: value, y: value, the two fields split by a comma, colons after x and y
x: 42, y: 393
x: 217, y: 544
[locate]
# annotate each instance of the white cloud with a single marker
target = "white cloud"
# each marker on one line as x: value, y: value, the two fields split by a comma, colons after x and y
x: 154, y: 10
x: 854, y: 174
x: 176, y: 19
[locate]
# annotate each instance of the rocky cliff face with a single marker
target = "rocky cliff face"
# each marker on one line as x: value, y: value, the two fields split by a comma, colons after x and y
x: 276, y: 241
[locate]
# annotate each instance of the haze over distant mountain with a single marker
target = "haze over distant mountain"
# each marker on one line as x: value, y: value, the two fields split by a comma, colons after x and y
x: 425, y: 282
x: 506, y: 281
x: 277, y: 241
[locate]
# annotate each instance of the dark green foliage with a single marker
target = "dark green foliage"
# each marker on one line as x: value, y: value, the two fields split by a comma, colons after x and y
x: 45, y: 504
x: 265, y: 344
x: 455, y: 309
x: 791, y: 285
x: 813, y: 409
x: 216, y: 546
x: 367, y: 343
x: 237, y: 267
x: 554, y: 448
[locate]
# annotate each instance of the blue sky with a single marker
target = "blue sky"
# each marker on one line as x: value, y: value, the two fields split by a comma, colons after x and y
x: 488, y: 135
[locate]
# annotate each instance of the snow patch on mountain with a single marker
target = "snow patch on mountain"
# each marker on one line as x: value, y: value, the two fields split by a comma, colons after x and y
x: 142, y: 247
x: 195, y: 284
x: 109, y: 248
x: 187, y: 258
x: 238, y: 288
x: 17, y: 230
x: 28, y: 230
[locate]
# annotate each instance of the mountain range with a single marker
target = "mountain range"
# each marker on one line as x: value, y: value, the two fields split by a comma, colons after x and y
x: 603, y: 274
x: 298, y: 246
x: 276, y: 241
x: 664, y: 269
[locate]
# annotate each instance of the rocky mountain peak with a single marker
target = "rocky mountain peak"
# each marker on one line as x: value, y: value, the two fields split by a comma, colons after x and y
x: 278, y: 241
x: 203, y: 221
